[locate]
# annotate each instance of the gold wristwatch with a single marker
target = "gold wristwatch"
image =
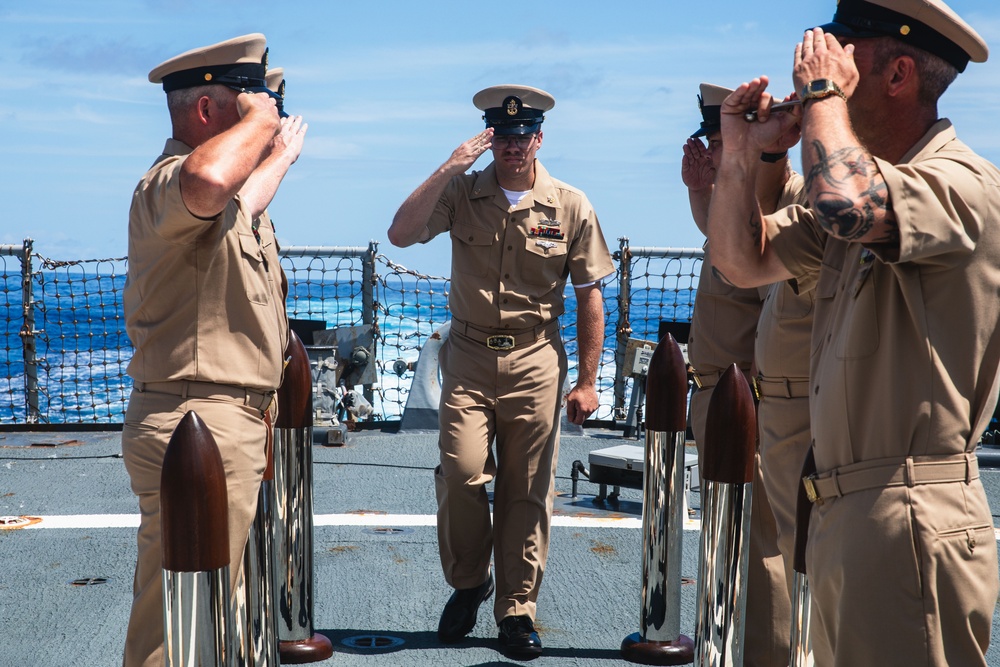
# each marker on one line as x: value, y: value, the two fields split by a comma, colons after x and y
x: 820, y: 88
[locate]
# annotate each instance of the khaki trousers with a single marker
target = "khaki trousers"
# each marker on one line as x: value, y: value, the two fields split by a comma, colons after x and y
x: 513, y: 398
x: 903, y: 576
x: 783, y: 424
x: 767, y: 627
x: 150, y: 419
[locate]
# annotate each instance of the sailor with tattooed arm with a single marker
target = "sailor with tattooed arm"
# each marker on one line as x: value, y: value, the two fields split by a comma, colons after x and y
x: 903, y: 241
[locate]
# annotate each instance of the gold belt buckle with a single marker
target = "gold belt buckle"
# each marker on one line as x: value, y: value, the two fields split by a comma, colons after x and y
x: 500, y: 343
x: 811, y: 493
x: 697, y: 380
x: 270, y: 401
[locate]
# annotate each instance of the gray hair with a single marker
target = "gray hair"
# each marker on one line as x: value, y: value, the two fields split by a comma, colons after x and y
x: 180, y: 100
x: 935, y: 73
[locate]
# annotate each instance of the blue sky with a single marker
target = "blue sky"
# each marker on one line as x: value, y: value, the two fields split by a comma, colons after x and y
x: 386, y: 87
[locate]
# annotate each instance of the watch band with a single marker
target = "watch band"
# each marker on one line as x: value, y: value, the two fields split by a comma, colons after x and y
x: 820, y: 89
x: 772, y: 157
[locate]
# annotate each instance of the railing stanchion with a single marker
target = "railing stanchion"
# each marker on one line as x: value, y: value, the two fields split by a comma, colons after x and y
x: 623, y: 328
x: 28, y: 343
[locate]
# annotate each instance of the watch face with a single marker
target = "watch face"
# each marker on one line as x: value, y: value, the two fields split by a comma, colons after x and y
x: 818, y: 85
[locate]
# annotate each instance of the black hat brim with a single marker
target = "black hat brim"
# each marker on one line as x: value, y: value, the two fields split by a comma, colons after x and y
x: 705, y: 131
x: 841, y: 30
x: 267, y: 91
x: 508, y: 130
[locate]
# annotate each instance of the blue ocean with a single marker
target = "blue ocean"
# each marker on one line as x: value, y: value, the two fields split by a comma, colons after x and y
x: 82, y: 351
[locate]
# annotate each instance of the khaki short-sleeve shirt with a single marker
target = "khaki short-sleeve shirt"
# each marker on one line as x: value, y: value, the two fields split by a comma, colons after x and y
x: 906, y: 352
x: 785, y: 326
x: 723, y: 323
x: 509, y: 265
x: 203, y: 298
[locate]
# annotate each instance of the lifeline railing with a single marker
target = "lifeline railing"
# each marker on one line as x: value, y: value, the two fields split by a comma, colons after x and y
x: 64, y: 351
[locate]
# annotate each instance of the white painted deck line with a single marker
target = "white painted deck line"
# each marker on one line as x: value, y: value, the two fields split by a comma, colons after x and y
x: 353, y: 519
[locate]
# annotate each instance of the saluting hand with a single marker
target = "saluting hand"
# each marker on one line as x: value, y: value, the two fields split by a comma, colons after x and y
x: 753, y: 137
x: 247, y: 103
x: 466, y: 155
x: 820, y: 56
x: 290, y: 137
x: 792, y: 133
x: 697, y: 170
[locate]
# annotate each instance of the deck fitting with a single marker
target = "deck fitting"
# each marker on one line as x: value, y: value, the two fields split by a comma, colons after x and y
x: 372, y: 642
x: 89, y: 581
x: 388, y: 531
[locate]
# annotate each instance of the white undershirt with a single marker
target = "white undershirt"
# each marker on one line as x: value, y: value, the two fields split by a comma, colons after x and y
x: 515, y: 197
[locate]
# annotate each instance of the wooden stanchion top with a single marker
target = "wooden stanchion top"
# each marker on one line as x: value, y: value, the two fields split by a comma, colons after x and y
x: 295, y: 393
x: 730, y: 431
x: 194, y: 503
x: 666, y: 388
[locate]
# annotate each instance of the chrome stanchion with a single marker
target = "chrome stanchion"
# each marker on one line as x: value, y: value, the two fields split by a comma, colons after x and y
x: 800, y: 651
x: 659, y: 640
x: 727, y: 481
x: 293, y: 525
x: 261, y: 629
x: 197, y: 623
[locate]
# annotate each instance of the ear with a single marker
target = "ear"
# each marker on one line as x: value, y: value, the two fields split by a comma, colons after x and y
x: 205, y: 110
x: 901, y: 77
x: 539, y: 140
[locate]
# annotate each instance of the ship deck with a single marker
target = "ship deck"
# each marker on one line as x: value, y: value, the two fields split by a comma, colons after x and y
x: 65, y: 584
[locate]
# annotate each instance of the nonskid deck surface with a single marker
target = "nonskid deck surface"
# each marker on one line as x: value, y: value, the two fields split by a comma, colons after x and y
x: 65, y: 584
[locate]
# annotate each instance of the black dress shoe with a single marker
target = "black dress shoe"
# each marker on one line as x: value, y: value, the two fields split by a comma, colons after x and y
x: 459, y: 615
x: 518, y: 637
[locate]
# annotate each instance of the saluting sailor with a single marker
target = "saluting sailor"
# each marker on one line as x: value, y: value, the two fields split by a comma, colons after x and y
x: 204, y: 299
x: 903, y: 245
x: 762, y: 329
x: 517, y: 235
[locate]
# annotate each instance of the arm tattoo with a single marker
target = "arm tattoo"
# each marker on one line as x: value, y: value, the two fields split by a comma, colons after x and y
x: 850, y: 194
x: 755, y: 228
x: 719, y: 275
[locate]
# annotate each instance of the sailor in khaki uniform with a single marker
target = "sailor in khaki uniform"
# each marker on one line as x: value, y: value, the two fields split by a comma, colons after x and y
x: 903, y: 246
x: 725, y: 317
x: 724, y: 328
x: 204, y: 302
x: 517, y: 234
x: 782, y: 385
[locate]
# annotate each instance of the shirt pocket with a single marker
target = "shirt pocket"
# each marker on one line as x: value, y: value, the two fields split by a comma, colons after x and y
x: 254, y: 268
x: 544, y: 261
x: 791, y: 306
x: 826, y: 290
x: 472, y: 248
x: 861, y: 337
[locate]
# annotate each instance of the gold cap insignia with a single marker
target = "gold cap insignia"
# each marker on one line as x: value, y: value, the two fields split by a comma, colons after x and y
x: 904, y: 30
x: 208, y: 76
x: 513, y: 106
